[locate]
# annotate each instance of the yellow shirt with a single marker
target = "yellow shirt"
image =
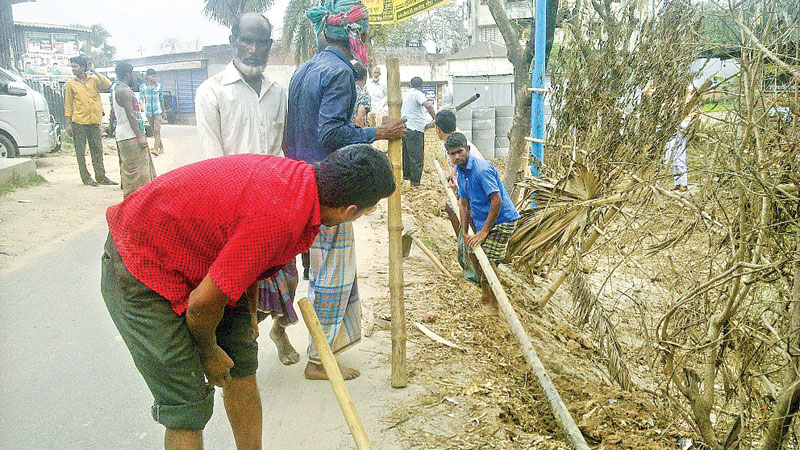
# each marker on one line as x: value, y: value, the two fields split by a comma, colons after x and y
x: 82, y: 103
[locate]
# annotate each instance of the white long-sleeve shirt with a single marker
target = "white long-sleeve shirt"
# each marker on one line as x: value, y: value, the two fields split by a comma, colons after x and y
x: 379, y: 94
x: 232, y: 118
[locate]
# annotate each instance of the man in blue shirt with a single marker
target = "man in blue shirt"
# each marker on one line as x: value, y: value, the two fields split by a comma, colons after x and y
x: 485, y: 202
x: 322, y: 96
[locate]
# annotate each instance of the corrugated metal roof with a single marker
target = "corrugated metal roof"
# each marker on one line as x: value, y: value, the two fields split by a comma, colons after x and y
x: 51, y: 26
x: 481, y: 50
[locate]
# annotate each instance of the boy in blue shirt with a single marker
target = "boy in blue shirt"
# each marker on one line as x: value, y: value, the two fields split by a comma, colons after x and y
x: 484, y: 202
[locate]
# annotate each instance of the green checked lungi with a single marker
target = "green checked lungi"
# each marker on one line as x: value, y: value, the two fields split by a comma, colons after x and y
x: 496, y: 243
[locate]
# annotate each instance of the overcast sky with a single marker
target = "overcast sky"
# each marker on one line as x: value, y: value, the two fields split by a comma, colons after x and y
x: 137, y: 24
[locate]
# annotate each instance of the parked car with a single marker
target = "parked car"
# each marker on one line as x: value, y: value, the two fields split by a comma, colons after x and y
x: 26, y: 126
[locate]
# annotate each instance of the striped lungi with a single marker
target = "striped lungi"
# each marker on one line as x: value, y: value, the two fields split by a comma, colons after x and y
x: 333, y: 288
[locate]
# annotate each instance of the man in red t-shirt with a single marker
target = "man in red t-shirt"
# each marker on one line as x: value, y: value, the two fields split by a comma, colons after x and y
x: 184, y: 255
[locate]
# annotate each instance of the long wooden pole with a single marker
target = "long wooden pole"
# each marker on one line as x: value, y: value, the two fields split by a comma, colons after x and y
x: 432, y: 257
x: 562, y: 415
x: 399, y: 375
x: 334, y: 375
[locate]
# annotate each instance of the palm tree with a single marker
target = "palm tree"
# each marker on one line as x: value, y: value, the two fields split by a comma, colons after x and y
x: 298, y: 33
x: 225, y: 12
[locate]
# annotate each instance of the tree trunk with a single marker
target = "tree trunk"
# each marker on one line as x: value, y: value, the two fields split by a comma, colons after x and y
x: 6, y: 33
x: 520, y: 128
x: 787, y: 404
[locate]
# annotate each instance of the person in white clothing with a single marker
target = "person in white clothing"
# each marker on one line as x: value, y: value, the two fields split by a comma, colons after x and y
x: 240, y: 110
x: 416, y: 109
x: 378, y: 94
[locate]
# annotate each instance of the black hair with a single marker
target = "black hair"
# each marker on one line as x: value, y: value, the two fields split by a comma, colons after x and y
x: 151, y: 72
x: 361, y: 72
x: 446, y: 121
x: 343, y: 43
x: 416, y: 82
x: 455, y: 140
x: 81, y: 61
x: 237, y: 24
x: 123, y: 69
x: 357, y: 174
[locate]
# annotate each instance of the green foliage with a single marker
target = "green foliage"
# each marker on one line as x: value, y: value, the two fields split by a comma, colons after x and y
x: 444, y: 25
x: 298, y: 34
x: 225, y: 12
x: 97, y: 48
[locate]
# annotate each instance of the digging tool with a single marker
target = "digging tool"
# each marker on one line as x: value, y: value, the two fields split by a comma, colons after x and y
x: 409, y: 237
x: 334, y: 375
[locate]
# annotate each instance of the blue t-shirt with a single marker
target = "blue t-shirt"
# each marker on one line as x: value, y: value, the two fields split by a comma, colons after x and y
x: 476, y: 182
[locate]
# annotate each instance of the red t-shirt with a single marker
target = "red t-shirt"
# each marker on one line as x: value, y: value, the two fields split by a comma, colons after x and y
x: 236, y: 218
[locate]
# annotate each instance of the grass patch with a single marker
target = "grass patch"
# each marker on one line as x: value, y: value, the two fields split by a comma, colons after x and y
x: 713, y: 106
x: 17, y: 181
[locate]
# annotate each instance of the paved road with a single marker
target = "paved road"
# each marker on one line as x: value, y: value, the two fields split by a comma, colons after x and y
x: 67, y: 380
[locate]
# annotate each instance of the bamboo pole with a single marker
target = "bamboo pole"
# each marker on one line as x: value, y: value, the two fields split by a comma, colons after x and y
x: 432, y: 257
x: 557, y: 406
x: 395, y: 221
x: 334, y: 375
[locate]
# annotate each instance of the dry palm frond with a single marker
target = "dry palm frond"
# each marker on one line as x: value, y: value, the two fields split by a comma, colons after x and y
x: 564, y: 211
x: 589, y: 311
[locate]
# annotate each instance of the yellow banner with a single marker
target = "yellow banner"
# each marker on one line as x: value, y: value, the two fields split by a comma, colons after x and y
x: 387, y: 12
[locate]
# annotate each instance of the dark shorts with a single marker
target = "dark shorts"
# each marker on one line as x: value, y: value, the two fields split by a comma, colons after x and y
x: 163, y: 348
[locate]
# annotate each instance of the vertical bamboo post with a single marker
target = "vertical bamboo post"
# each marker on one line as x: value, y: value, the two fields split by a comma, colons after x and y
x: 399, y: 376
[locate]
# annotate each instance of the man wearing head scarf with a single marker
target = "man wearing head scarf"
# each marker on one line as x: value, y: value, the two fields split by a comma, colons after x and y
x: 322, y: 96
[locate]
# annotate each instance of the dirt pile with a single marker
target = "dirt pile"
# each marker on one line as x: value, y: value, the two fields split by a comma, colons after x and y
x: 486, y: 397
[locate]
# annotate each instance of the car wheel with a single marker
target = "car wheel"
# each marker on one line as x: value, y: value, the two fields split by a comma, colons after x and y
x: 7, y: 147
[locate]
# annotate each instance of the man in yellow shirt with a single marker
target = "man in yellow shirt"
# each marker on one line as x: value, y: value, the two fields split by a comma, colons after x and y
x: 84, y: 110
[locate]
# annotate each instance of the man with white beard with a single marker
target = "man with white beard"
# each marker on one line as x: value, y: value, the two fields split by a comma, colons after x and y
x: 239, y: 110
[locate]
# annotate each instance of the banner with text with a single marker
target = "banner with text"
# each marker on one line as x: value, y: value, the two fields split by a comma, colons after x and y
x: 387, y: 12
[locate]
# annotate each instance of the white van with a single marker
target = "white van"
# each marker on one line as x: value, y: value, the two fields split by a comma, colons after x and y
x: 26, y: 126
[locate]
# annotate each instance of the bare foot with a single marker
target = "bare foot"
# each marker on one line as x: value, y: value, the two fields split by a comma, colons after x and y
x: 317, y: 372
x: 286, y: 353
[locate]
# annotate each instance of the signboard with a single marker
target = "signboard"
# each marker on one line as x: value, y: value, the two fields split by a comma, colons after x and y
x: 387, y: 12
x: 47, y: 54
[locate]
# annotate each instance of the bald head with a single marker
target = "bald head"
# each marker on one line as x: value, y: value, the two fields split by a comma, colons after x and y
x: 251, y: 21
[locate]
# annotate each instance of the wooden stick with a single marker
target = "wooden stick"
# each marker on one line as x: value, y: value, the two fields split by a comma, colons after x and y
x: 334, y: 375
x: 536, y: 140
x: 395, y: 221
x: 427, y: 332
x: 560, y: 411
x: 432, y: 257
